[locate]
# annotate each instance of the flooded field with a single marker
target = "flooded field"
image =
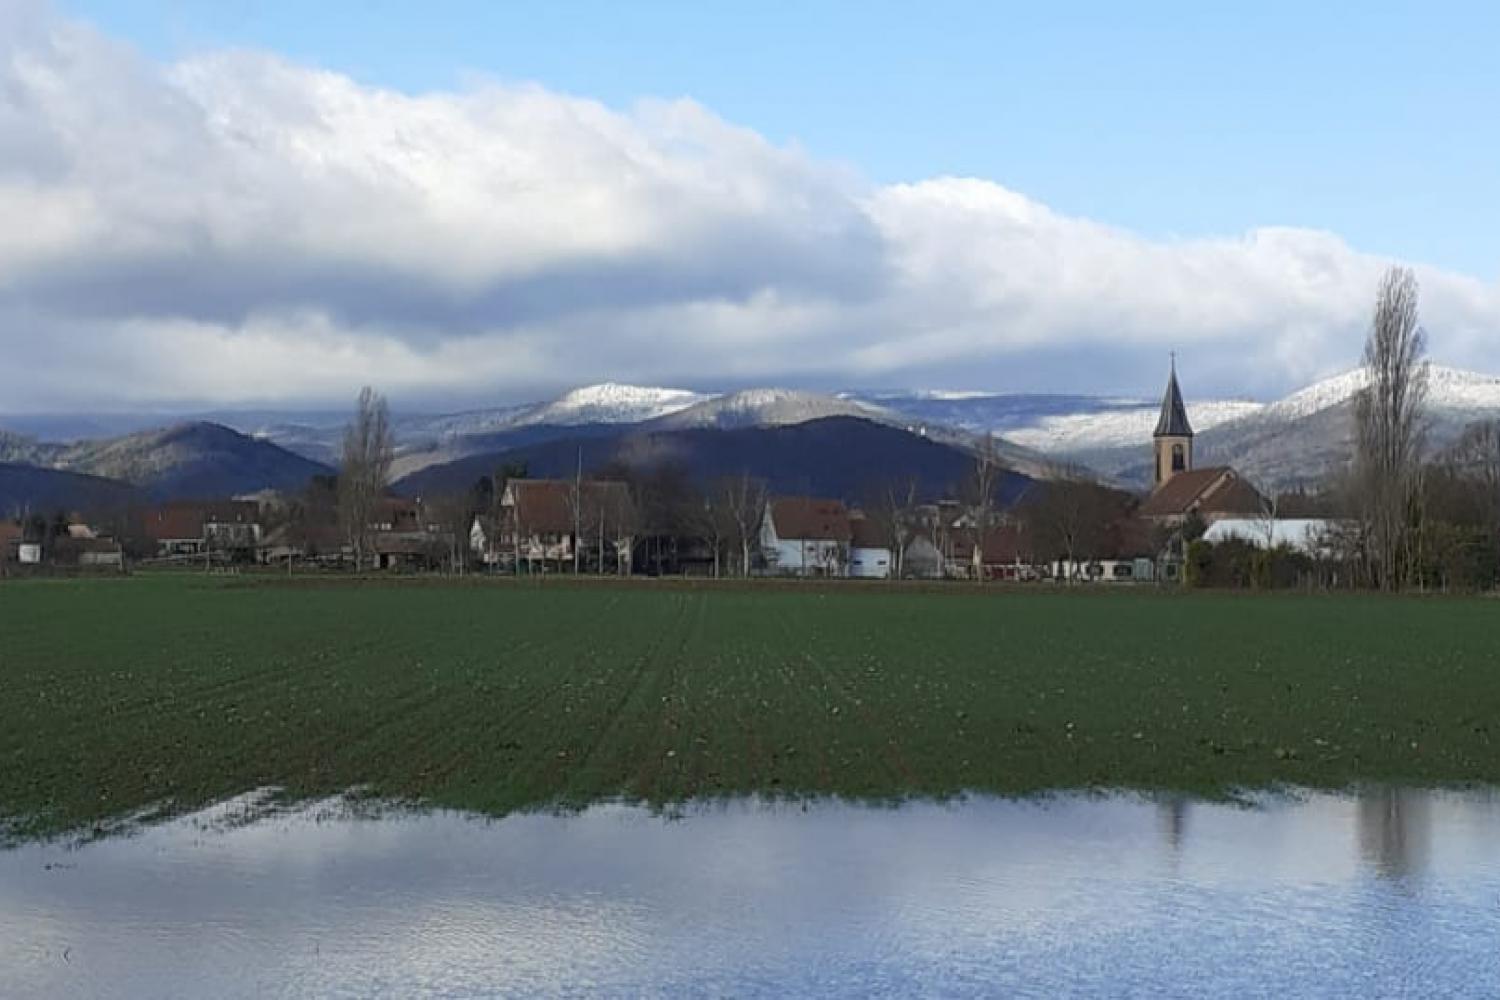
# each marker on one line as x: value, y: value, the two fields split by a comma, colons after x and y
x: 1390, y: 893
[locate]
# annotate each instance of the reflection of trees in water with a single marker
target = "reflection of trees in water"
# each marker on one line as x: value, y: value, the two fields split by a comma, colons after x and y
x: 1395, y: 830
x: 1171, y: 813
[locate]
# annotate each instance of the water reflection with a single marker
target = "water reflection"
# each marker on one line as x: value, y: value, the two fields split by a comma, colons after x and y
x: 1391, y: 893
x: 1395, y: 830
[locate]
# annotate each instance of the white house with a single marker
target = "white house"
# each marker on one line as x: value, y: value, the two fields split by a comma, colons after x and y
x: 805, y: 536
x: 870, y: 556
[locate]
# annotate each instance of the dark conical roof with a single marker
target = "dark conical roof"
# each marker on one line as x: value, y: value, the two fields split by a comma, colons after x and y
x: 1174, y: 421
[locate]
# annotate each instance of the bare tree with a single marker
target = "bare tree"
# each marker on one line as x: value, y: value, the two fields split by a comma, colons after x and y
x: 1389, y: 422
x: 894, y: 510
x: 365, y: 469
x: 452, y: 517
x: 1475, y: 457
x: 744, y: 501
x: 575, y: 506
x: 1270, y: 504
x: 985, y: 478
x: 1066, y: 515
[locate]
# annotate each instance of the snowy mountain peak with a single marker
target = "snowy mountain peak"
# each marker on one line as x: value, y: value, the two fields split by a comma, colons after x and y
x: 613, y: 403
x: 1447, y: 389
x: 769, y: 408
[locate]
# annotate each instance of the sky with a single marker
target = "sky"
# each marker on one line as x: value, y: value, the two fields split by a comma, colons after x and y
x: 236, y: 203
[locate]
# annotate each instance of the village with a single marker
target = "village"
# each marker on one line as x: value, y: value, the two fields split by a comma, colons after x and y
x: 1070, y: 529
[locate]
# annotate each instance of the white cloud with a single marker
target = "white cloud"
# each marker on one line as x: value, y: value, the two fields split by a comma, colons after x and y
x: 238, y: 228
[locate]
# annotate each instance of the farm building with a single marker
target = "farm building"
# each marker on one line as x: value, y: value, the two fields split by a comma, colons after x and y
x: 1002, y: 553
x: 545, y: 523
x: 805, y: 536
x: 228, y: 529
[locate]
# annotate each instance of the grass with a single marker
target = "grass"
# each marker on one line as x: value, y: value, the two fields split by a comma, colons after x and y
x: 166, y: 694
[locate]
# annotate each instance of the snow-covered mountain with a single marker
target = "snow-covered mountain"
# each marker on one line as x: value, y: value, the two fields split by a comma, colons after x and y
x: 1298, y: 439
x: 1307, y: 436
x: 1051, y: 424
x: 611, y: 403
x: 606, y: 403
x: 768, y: 408
x: 1448, y: 390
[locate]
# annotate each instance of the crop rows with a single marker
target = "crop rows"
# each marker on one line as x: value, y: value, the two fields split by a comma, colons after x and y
x: 119, y: 697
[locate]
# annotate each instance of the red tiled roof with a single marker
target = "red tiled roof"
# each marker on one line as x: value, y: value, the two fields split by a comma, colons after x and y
x: 1003, y: 545
x: 1214, y: 490
x: 865, y: 533
x: 546, y: 505
x: 186, y: 518
x: 811, y: 519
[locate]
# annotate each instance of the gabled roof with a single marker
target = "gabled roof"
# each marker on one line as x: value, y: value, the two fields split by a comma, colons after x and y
x: 810, y: 519
x: 865, y: 533
x: 1173, y: 421
x: 1214, y: 490
x: 185, y: 519
x: 544, y: 506
x: 1003, y: 545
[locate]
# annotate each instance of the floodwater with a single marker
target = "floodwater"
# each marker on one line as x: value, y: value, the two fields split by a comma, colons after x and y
x: 1386, y: 894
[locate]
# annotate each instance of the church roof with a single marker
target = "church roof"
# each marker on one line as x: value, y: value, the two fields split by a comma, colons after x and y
x: 1173, y: 421
x: 1215, y: 491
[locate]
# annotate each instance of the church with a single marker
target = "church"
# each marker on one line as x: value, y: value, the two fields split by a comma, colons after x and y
x: 1179, y: 488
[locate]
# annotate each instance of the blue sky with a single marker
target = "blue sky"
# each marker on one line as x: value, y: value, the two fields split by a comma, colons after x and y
x: 1373, y: 120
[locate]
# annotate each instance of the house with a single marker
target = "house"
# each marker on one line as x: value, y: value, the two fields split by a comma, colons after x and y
x: 70, y: 544
x: 1126, y: 552
x: 870, y: 554
x: 1003, y: 553
x: 1181, y: 491
x: 402, y: 535
x: 222, y: 529
x: 805, y: 536
x: 11, y: 534
x: 96, y: 553
x: 546, y: 523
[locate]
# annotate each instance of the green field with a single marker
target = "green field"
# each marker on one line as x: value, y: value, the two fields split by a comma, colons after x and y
x: 160, y: 695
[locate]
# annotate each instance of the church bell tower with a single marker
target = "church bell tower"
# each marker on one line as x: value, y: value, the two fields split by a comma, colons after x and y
x: 1173, y: 440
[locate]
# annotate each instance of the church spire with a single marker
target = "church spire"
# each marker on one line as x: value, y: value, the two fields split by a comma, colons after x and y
x: 1172, y: 446
x: 1173, y: 421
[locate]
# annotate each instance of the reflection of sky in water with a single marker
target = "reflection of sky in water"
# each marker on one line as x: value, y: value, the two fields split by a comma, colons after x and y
x: 1393, y: 893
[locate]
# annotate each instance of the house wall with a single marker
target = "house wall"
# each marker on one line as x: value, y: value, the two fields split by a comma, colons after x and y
x: 1108, y: 570
x: 870, y: 563
x: 809, y: 558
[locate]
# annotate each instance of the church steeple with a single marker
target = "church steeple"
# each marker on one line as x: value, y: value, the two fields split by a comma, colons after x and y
x: 1173, y: 439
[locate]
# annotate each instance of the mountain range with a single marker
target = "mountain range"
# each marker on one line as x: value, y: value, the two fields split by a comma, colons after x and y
x: 188, y: 460
x: 1293, y: 441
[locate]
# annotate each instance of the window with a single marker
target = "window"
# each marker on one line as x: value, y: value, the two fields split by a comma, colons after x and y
x: 1123, y: 571
x: 1179, y: 458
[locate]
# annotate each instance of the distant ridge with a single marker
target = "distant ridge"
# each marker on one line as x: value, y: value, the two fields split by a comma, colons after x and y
x: 29, y: 489
x: 845, y: 457
x: 1292, y: 441
x: 195, y: 459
